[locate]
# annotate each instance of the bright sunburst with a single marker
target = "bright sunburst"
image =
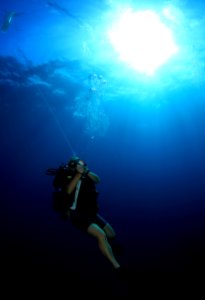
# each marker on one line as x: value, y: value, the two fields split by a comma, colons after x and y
x: 142, y: 40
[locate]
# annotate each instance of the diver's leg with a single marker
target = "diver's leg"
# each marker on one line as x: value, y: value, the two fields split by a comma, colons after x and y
x: 115, y: 244
x: 103, y: 244
x: 110, y: 232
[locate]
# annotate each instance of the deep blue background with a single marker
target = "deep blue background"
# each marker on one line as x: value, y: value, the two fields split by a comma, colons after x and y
x: 152, y: 169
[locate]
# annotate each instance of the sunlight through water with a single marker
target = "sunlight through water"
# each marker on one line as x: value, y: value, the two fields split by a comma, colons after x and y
x: 142, y: 40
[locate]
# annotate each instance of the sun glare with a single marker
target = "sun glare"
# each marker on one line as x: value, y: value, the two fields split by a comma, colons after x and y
x: 142, y: 40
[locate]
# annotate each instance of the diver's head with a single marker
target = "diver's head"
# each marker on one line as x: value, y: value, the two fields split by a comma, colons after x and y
x: 74, y: 161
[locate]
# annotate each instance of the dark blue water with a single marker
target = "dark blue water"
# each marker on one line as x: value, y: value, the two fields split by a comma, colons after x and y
x: 143, y: 137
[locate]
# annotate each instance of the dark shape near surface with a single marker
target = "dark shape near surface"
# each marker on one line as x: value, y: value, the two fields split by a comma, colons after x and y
x: 8, y: 18
x: 63, y: 10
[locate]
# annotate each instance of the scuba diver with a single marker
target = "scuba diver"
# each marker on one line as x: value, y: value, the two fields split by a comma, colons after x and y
x: 76, y: 198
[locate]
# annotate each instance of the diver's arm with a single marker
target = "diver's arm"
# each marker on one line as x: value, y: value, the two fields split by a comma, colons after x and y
x: 72, y: 185
x: 94, y: 177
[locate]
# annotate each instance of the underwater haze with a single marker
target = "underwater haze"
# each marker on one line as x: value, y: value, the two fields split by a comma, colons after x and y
x: 64, y: 90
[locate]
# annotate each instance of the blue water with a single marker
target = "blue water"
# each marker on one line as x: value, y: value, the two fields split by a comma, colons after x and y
x: 61, y: 93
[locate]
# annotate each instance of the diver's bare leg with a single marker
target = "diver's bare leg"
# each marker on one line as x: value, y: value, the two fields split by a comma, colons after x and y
x: 103, y: 244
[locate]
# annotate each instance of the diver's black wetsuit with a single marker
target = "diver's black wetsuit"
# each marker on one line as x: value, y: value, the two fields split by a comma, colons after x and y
x: 86, y: 211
